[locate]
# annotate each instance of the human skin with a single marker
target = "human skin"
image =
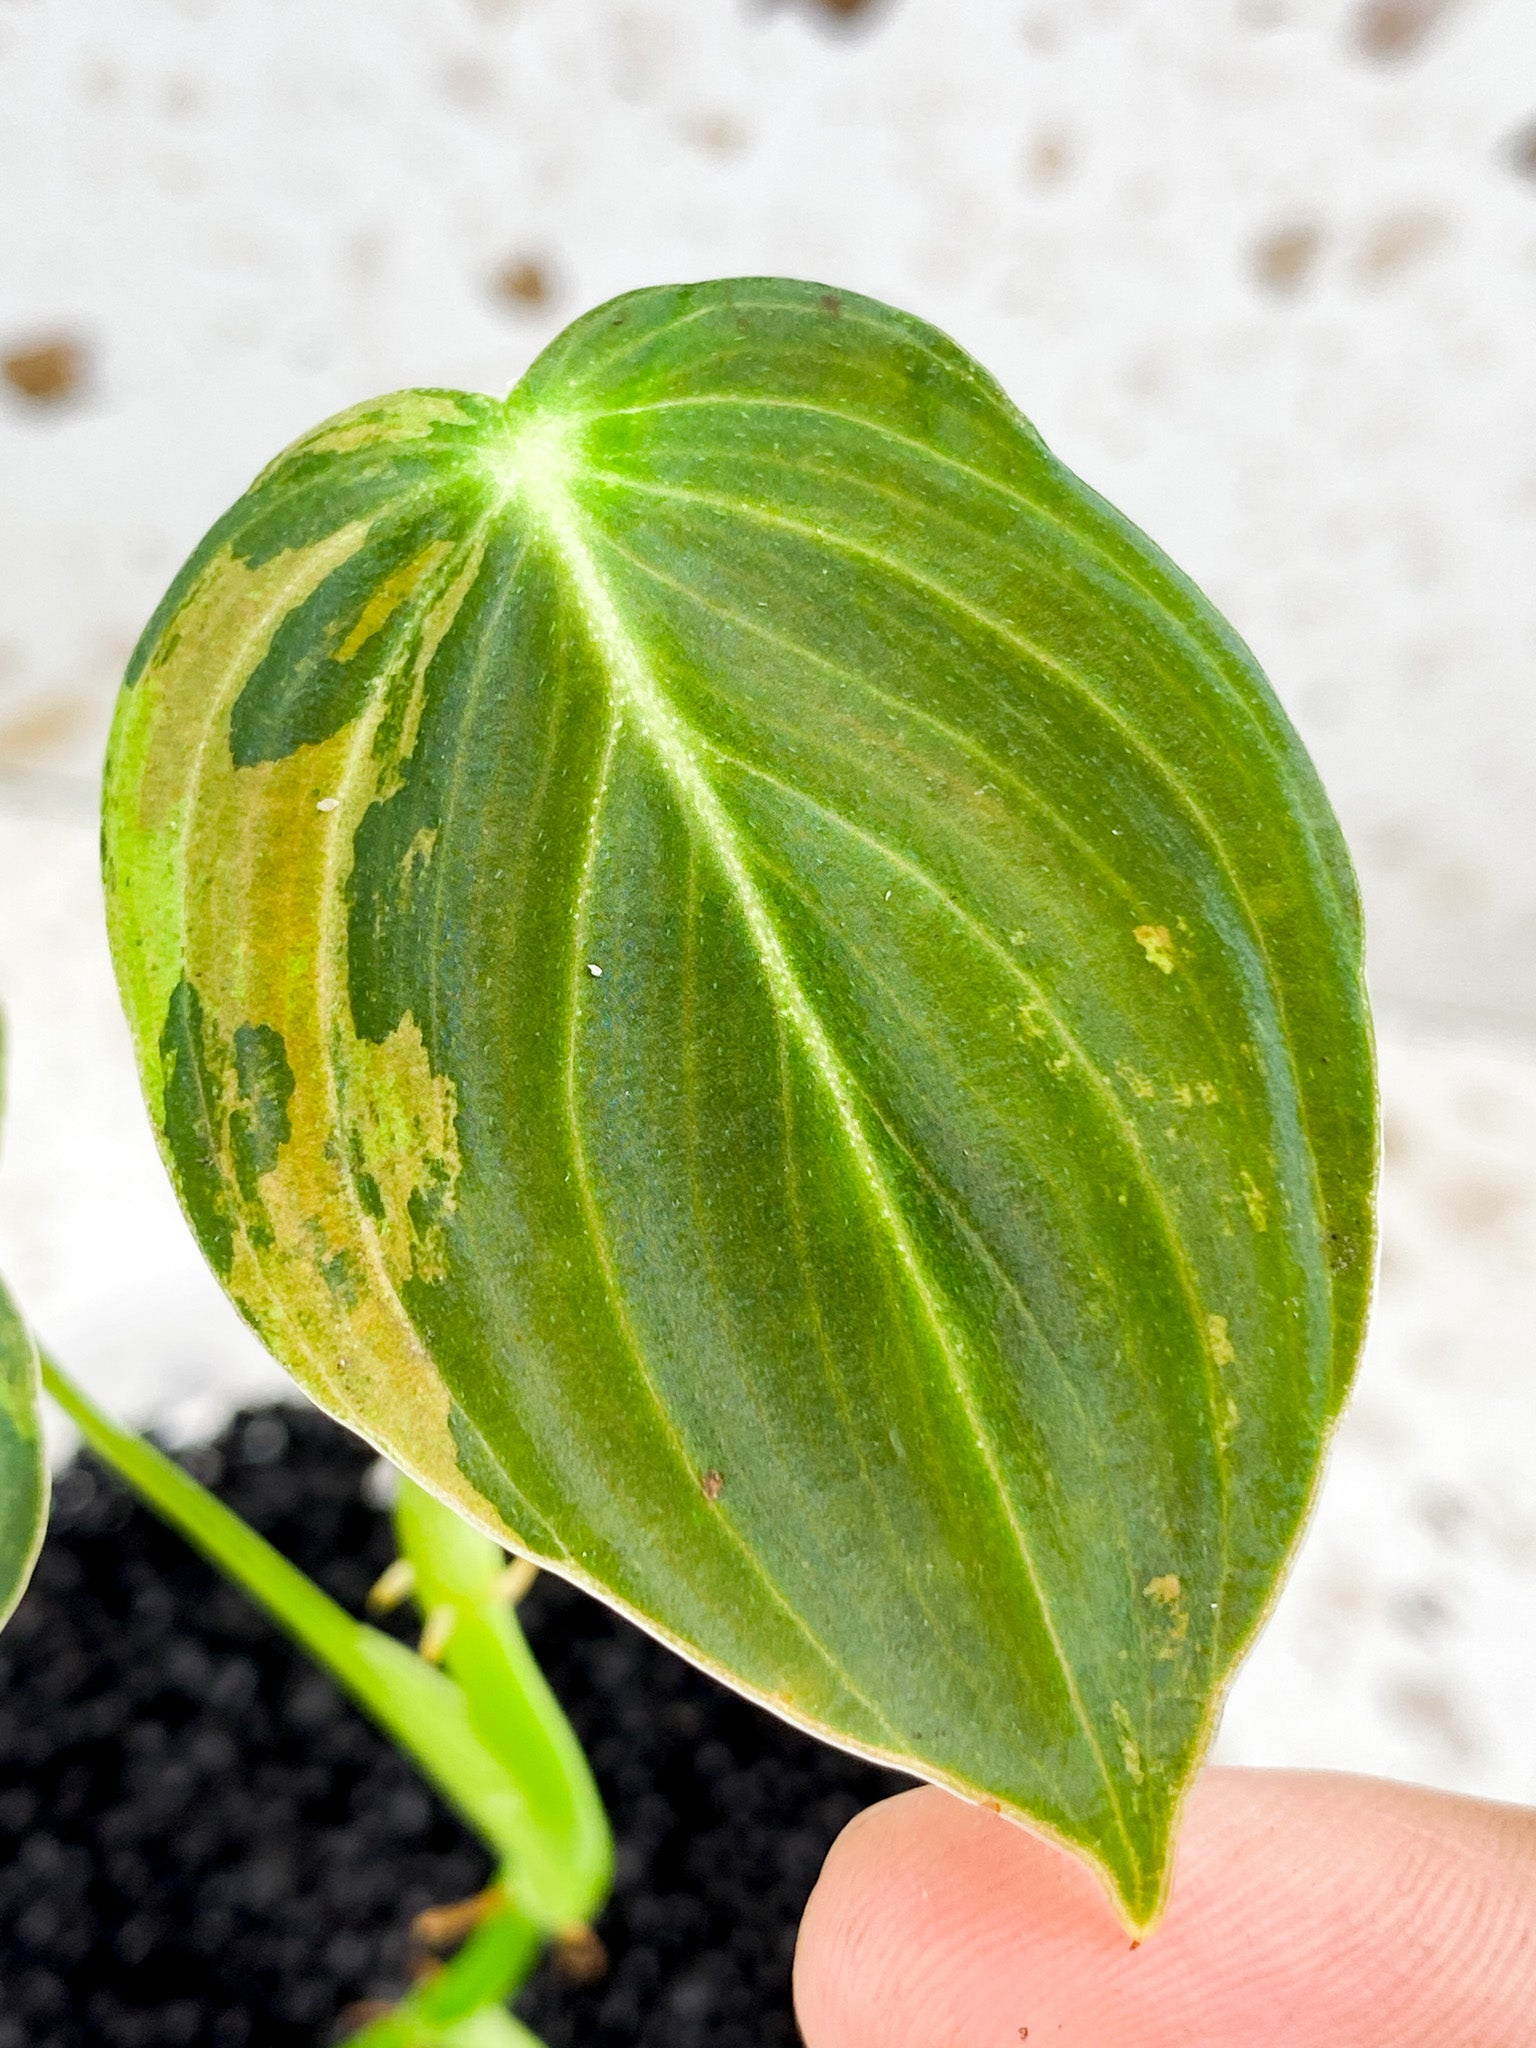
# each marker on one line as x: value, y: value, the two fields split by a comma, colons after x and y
x: 1309, y: 1910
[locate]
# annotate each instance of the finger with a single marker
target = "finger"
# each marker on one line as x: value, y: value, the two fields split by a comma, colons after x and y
x: 1308, y: 1911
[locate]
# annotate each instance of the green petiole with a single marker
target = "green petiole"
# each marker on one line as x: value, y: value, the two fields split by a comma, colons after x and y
x: 487, y: 1732
x: 563, y: 1867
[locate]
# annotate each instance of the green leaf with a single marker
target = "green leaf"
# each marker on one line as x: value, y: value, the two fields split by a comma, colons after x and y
x: 23, y: 1466
x: 23, y: 1460
x: 737, y: 971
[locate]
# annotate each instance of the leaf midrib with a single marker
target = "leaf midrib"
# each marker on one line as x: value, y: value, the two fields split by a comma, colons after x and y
x: 543, y: 493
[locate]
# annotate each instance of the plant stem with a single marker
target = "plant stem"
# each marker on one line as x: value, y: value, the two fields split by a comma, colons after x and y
x: 464, y: 2003
x: 423, y: 1710
x: 565, y: 1868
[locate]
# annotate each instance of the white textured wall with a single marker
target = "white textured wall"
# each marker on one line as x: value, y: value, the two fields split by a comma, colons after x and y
x: 1263, y: 270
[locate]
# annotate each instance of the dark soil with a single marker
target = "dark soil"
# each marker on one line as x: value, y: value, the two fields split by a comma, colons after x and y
x: 203, y: 1845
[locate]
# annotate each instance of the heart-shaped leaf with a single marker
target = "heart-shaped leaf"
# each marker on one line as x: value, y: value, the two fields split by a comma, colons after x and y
x: 739, y: 973
x: 23, y: 1466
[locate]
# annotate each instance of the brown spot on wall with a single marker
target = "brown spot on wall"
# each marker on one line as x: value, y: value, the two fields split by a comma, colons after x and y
x: 837, y: 10
x: 43, y: 729
x: 1398, y: 241
x: 717, y: 134
x: 47, y: 371
x: 1048, y: 157
x: 1284, y: 258
x: 1474, y: 1204
x: 1429, y: 1709
x: 525, y: 282
x: 1388, y: 30
x: 1521, y: 151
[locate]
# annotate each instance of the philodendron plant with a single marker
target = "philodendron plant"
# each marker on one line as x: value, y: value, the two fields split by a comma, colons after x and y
x: 736, y: 972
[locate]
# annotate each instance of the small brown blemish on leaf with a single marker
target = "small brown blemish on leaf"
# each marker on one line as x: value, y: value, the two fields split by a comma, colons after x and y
x: 1156, y: 942
x: 46, y: 372
x: 525, y: 282
x: 1164, y: 1590
x: 1283, y: 258
x: 1390, y: 29
x: 713, y: 1484
x: 831, y: 304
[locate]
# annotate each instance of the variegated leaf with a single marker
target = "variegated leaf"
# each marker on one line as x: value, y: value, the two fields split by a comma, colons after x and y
x: 737, y: 971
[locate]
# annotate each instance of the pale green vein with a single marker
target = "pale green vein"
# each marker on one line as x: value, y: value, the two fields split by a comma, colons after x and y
x: 1013, y: 970
x: 1126, y: 1130
x: 846, y: 544
x: 792, y: 1469
x: 901, y: 1552
x: 1209, y: 656
x: 1161, y: 770
x: 901, y: 708
x: 655, y: 717
x: 602, y: 1253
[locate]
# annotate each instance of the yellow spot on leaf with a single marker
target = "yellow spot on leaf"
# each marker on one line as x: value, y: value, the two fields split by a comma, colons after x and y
x: 417, y: 855
x: 1130, y: 1748
x: 1221, y: 1343
x: 387, y: 598
x: 400, y: 1123
x: 1257, y: 1206
x: 1157, y: 943
x: 1168, y: 1594
x: 1138, y: 1084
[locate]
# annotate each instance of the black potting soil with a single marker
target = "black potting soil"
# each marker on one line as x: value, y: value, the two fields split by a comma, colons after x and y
x: 203, y: 1845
